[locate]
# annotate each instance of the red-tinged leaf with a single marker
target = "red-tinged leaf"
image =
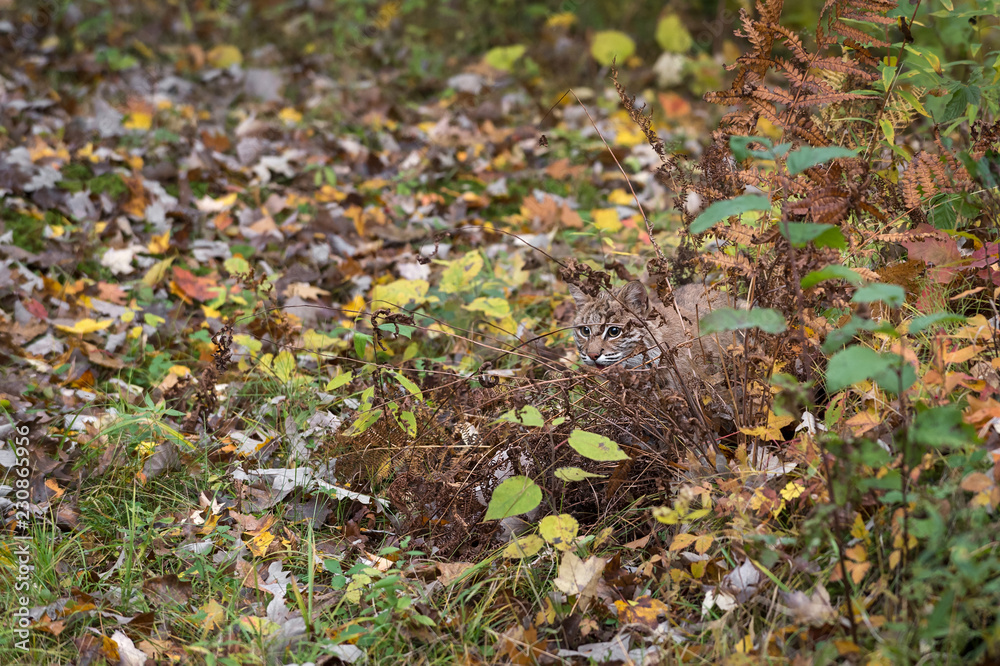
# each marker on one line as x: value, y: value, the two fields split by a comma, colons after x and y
x: 988, y: 259
x: 35, y: 308
x: 938, y: 250
x: 111, y: 293
x: 199, y: 288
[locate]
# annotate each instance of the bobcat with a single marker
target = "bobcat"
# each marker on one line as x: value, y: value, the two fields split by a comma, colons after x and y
x: 623, y: 327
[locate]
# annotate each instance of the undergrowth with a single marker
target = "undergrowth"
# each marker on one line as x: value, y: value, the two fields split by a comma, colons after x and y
x: 460, y: 492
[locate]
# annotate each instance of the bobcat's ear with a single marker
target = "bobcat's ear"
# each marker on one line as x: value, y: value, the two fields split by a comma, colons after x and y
x: 633, y: 295
x: 578, y: 296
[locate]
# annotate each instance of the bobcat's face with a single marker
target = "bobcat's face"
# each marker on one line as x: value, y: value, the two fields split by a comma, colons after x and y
x: 609, y: 327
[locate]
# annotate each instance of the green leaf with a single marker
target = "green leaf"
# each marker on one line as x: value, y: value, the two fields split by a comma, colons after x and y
x: 896, y: 376
x: 722, y: 210
x: 912, y: 100
x: 842, y: 336
x: 850, y: 366
x: 594, y: 446
x: 733, y: 319
x: 922, y: 322
x: 405, y: 419
x: 504, y: 57
x: 807, y: 157
x: 528, y: 415
x: 891, y: 294
x: 570, y: 474
x: 361, y: 341
x: 831, y: 272
x: 493, y: 307
x: 856, y: 364
x: 516, y: 495
x: 941, y: 426
x: 339, y: 380
x: 801, y: 234
x: 409, y: 385
x: 740, y: 145
x: 672, y: 35
x: 364, y: 421
x: 611, y: 46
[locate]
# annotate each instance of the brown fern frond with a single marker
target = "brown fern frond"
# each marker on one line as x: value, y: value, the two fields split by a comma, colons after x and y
x: 862, y: 52
x: 725, y: 261
x: 829, y: 205
x: 929, y: 174
x: 845, y: 66
x: 775, y: 95
x: 860, y: 36
x: 984, y: 139
x: 805, y: 129
x: 825, y: 99
x: 741, y: 234
x: 642, y: 120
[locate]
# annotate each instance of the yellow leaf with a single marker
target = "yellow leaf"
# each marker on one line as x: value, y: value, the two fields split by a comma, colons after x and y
x: 223, y: 56
x: 641, y: 611
x: 85, y: 326
x: 214, y: 615
x: 792, y: 490
x: 606, y: 219
x: 138, y: 120
x: 672, y: 35
x: 504, y: 57
x: 561, y: 20
x: 620, y: 197
x: 560, y: 531
x: 400, y: 294
x: 352, y: 309
x: 290, y: 116
x: 159, y: 244
x: 460, y: 273
x: 611, y: 46
x: 682, y: 541
x: 493, y: 307
x: 772, y: 431
x: 525, y: 546
x: 284, y: 366
x: 703, y: 543
x: 858, y: 529
x: 258, y: 545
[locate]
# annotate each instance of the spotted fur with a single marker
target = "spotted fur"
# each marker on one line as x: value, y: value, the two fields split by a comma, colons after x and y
x: 621, y: 327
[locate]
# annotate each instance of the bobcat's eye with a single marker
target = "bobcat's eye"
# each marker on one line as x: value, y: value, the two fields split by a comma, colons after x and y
x: 584, y: 331
x: 614, y: 331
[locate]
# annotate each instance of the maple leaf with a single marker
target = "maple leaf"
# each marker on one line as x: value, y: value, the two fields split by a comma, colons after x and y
x: 189, y: 286
x: 644, y: 611
x: 938, y: 250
